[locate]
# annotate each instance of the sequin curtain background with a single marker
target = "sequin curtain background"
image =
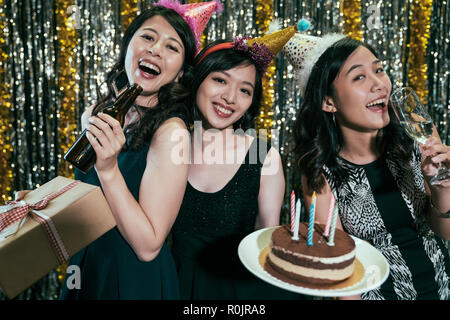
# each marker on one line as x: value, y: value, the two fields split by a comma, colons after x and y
x: 54, y: 55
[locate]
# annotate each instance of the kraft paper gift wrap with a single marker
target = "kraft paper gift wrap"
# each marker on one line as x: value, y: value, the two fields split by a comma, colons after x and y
x: 80, y: 215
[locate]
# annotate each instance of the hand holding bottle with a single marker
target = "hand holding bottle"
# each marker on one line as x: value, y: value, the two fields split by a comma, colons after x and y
x: 81, y: 154
x: 106, y: 136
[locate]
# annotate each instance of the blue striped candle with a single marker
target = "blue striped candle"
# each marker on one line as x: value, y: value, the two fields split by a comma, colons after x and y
x: 312, y: 212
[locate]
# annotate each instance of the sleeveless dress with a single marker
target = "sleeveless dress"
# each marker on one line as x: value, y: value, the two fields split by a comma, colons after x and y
x: 207, y: 232
x: 384, y: 203
x: 109, y: 267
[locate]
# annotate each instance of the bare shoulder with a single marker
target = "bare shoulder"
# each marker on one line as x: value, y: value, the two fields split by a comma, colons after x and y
x: 170, y: 126
x: 171, y: 130
x: 272, y: 166
x: 273, y: 153
x: 272, y: 158
x: 172, y: 137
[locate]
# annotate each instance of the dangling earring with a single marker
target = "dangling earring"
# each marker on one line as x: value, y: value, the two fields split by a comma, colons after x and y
x: 334, y: 120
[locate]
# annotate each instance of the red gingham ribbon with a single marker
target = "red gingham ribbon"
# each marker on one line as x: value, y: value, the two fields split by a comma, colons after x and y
x: 18, y: 210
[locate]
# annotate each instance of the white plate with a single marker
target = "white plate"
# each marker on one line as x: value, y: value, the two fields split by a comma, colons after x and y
x: 375, y: 266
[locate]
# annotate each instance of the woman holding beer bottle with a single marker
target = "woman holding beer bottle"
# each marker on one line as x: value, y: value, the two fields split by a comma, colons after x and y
x: 132, y: 261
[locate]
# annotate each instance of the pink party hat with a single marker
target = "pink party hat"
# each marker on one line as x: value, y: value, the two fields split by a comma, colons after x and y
x: 196, y: 15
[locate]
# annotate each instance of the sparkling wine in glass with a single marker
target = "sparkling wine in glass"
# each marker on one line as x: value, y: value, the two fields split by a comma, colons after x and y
x: 418, y: 130
x: 416, y: 122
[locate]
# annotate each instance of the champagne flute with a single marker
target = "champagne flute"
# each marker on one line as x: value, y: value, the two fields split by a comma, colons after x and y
x: 416, y: 122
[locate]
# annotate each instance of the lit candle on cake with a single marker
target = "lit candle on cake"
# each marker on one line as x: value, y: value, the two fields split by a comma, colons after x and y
x: 312, y: 212
x: 333, y: 225
x: 330, y: 215
x: 292, y: 210
x: 297, y: 220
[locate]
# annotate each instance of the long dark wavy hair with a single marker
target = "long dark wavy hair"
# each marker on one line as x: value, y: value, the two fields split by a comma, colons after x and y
x: 223, y: 60
x: 317, y: 139
x: 170, y: 96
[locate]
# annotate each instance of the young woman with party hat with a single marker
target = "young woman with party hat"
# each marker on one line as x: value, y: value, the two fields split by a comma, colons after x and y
x: 143, y: 187
x: 235, y: 181
x: 349, y: 145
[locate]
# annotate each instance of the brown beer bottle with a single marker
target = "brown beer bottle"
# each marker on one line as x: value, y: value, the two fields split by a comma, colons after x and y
x: 81, y: 154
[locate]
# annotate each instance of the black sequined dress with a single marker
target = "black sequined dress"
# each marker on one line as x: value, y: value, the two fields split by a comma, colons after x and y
x: 207, y: 232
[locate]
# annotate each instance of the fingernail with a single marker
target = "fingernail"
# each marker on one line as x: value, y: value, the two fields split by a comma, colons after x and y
x: 91, y: 120
x: 88, y: 135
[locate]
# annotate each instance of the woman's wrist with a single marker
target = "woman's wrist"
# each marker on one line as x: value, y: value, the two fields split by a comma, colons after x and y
x: 108, y: 175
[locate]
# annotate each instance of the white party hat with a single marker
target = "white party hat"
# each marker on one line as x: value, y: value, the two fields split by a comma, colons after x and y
x: 303, y: 51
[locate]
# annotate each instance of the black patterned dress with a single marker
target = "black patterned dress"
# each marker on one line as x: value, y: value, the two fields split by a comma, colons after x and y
x: 384, y: 203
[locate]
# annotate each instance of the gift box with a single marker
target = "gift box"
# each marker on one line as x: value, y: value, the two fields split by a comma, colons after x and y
x: 64, y: 217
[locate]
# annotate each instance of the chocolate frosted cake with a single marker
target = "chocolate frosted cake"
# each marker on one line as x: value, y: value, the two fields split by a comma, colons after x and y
x: 318, y: 264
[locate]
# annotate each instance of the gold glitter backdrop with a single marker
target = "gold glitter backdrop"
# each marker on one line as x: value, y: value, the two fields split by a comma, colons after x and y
x: 66, y: 34
x: 418, y: 44
x: 5, y: 109
x: 351, y: 14
x: 264, y: 15
x: 53, y: 63
x: 128, y: 12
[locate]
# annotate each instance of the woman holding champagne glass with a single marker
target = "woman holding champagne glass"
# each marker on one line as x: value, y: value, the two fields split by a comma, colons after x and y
x: 350, y: 145
x: 418, y: 125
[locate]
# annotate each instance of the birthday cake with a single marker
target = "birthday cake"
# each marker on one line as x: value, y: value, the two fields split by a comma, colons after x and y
x: 317, y: 264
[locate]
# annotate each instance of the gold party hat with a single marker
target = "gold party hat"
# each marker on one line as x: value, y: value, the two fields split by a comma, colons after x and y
x: 263, y: 49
